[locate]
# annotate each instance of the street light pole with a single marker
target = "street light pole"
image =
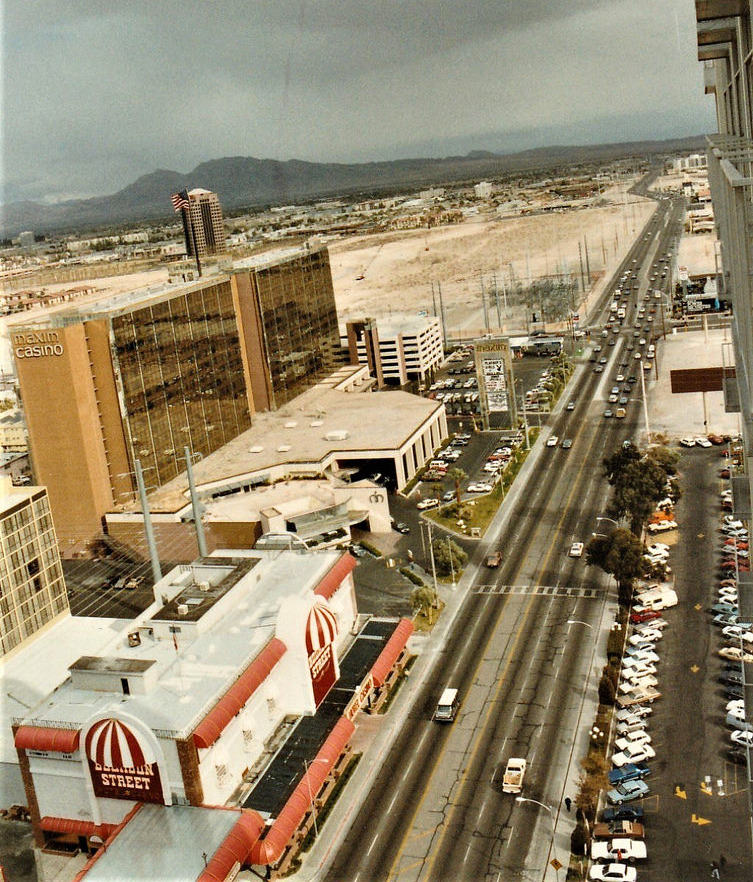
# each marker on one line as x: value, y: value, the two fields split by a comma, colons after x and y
x: 551, y: 818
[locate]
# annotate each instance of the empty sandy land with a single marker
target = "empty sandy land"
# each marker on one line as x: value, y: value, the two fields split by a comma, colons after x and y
x: 398, y: 267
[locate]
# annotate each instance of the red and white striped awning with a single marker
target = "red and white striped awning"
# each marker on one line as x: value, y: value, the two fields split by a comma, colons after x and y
x: 321, y: 627
x: 111, y: 743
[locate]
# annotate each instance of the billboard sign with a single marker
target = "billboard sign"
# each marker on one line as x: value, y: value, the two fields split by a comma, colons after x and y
x: 321, y: 631
x: 495, y: 377
x: 121, y: 764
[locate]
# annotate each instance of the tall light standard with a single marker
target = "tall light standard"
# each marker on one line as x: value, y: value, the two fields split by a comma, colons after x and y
x: 551, y: 818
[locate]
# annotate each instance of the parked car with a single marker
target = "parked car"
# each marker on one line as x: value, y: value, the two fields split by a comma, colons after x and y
x: 640, y: 710
x: 627, y: 829
x: 620, y: 849
x: 742, y: 738
x: 637, y: 618
x: 735, y: 653
x: 628, y: 791
x: 628, y: 772
x: 622, y: 813
x: 636, y: 753
x: 613, y: 873
x: 427, y: 503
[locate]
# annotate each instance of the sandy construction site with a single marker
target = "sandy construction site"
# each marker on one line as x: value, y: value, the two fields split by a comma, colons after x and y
x: 398, y: 268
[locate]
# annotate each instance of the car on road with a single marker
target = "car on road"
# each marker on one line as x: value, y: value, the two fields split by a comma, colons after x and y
x: 629, y: 772
x: 576, y: 550
x: 427, y: 503
x: 448, y: 496
x: 567, y: 444
x: 619, y: 849
x: 613, y: 873
x: 570, y: 405
x: 607, y: 414
x: 494, y: 559
x: 401, y: 527
x: 552, y: 441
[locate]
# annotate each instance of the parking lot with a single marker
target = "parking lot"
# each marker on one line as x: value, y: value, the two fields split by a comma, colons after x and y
x: 696, y: 811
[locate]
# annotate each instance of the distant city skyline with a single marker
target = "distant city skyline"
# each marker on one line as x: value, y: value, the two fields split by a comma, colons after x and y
x: 96, y: 96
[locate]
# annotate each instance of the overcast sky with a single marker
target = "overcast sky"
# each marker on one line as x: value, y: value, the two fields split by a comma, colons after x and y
x: 97, y: 93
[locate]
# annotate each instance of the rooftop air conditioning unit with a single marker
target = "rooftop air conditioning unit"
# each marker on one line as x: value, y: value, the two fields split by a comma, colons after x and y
x: 316, y: 423
x: 203, y: 586
x: 182, y: 609
x: 337, y: 435
x: 291, y: 424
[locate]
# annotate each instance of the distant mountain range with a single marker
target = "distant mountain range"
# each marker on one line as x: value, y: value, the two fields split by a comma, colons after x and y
x: 245, y: 181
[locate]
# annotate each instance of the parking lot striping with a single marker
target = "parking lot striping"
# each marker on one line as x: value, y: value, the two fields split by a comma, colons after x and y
x: 545, y: 590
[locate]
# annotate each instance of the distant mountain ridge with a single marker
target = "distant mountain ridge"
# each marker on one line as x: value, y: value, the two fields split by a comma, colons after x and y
x: 246, y: 181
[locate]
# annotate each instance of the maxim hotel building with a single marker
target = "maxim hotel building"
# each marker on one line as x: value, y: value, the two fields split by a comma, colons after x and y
x: 147, y: 374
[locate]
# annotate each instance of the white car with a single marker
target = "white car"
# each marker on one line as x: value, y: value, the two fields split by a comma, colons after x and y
x: 553, y: 441
x: 576, y: 550
x: 638, y: 684
x: 729, y: 521
x: 619, y: 849
x: 637, y: 668
x: 649, y: 635
x: 634, y: 753
x: 662, y: 527
x: 642, y: 655
x: 703, y: 442
x: 737, y: 704
x: 640, y: 737
x: 657, y: 548
x: 638, y: 710
x: 742, y: 738
x: 737, y: 632
x: 634, y: 725
x: 613, y: 873
x: 427, y: 503
x: 734, y: 653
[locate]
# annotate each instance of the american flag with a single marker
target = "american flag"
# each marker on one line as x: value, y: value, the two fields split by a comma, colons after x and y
x: 180, y: 200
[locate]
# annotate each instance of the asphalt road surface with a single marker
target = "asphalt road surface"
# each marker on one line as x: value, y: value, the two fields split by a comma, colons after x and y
x: 436, y: 811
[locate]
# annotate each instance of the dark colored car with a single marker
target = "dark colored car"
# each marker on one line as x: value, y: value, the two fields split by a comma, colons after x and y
x: 731, y: 677
x: 629, y: 772
x: 401, y: 527
x: 622, y: 813
x: 737, y: 755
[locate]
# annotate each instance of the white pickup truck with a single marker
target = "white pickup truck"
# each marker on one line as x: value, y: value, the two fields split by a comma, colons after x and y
x: 513, y: 780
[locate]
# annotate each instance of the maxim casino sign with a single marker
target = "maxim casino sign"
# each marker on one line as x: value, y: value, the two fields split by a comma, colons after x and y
x: 36, y: 344
x: 121, y: 764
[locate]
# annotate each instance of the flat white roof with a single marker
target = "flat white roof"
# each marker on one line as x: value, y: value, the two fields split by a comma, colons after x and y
x: 33, y: 671
x: 207, y: 662
x: 408, y: 325
x: 163, y: 842
x: 369, y: 422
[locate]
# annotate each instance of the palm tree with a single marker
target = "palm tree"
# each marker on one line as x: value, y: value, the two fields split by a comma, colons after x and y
x: 457, y: 475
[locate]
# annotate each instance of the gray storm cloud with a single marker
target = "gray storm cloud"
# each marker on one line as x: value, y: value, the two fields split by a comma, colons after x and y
x: 95, y: 93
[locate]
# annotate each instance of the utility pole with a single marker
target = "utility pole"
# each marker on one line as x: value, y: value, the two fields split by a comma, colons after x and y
x: 580, y: 258
x: 441, y: 309
x: 483, y: 303
x: 196, y: 506
x: 588, y: 268
x: 149, y: 532
x: 496, y: 300
x: 645, y: 403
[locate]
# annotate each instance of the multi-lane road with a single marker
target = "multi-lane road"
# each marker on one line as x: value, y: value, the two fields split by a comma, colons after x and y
x: 436, y: 810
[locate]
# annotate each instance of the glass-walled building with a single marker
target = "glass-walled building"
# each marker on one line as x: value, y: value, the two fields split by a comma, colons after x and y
x: 179, y: 368
x: 295, y: 303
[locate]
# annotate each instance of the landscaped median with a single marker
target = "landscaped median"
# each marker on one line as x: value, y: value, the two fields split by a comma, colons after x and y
x: 473, y: 516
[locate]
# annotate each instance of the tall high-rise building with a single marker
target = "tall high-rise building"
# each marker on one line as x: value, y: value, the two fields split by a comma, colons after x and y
x: 202, y: 223
x: 32, y: 590
x: 142, y: 376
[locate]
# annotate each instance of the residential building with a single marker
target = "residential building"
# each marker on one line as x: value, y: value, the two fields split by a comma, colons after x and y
x: 32, y: 589
x: 203, y: 226
x: 397, y: 349
x: 12, y: 431
x: 483, y: 190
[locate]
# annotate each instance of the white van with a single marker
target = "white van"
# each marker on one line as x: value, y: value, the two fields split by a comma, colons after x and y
x: 656, y: 599
x: 447, y: 706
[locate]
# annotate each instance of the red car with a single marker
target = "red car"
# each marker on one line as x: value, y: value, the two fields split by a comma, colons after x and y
x: 646, y: 616
x: 724, y: 473
x: 728, y: 583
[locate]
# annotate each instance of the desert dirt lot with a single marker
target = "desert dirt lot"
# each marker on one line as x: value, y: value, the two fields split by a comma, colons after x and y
x: 399, y: 267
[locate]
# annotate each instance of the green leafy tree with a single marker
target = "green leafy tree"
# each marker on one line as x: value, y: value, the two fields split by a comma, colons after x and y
x: 456, y: 475
x: 449, y: 557
x: 637, y: 488
x: 619, y: 554
x: 665, y: 458
x: 615, y: 465
x: 422, y: 601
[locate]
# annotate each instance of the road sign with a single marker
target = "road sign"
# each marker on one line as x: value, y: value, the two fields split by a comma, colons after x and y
x: 556, y: 864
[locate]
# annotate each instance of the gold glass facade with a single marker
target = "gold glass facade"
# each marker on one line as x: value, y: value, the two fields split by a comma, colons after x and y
x: 180, y: 373
x: 32, y: 589
x: 299, y: 320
